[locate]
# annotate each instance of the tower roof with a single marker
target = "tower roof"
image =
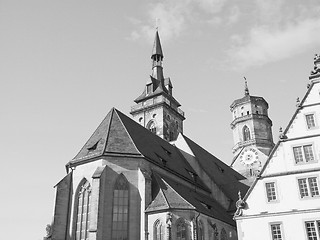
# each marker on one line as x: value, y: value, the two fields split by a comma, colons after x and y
x: 248, y: 98
x: 157, y: 49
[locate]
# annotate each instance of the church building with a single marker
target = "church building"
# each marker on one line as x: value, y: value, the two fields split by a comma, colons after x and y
x: 141, y: 178
x: 284, y: 200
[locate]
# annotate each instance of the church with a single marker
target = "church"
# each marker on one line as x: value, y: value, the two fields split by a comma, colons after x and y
x: 140, y: 177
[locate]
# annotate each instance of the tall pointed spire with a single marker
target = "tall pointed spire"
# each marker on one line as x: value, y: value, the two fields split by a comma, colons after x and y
x: 157, y: 58
x: 157, y: 50
x: 246, y: 89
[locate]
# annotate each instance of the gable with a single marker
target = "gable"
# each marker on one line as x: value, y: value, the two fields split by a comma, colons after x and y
x: 110, y: 137
x: 249, y: 157
x: 282, y: 160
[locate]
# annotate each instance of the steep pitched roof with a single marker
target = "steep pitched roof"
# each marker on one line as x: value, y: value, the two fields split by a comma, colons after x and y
x: 110, y: 137
x: 177, y: 196
x: 119, y: 134
x: 167, y: 198
x: 224, y: 176
x: 158, y: 150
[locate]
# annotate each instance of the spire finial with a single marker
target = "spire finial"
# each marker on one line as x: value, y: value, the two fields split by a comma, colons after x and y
x: 246, y: 89
x: 157, y: 24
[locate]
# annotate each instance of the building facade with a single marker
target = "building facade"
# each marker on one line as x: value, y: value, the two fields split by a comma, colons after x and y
x: 128, y: 182
x: 284, y: 201
x: 252, y: 134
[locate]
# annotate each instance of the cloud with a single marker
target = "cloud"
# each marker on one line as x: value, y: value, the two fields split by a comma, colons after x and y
x: 265, y: 44
x: 270, y: 11
x: 174, y: 16
x: 210, y: 6
x: 234, y: 15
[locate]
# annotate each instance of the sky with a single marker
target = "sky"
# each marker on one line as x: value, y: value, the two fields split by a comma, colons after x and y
x: 64, y: 64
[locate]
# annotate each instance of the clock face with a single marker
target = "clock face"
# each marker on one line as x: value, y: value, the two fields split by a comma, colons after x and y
x: 249, y: 156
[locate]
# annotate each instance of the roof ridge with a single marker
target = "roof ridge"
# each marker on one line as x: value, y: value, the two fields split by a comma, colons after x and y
x: 109, y: 114
x: 108, y: 131
x: 124, y: 126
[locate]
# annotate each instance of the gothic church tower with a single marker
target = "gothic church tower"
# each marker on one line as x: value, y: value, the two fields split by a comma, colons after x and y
x: 156, y: 109
x: 252, y: 134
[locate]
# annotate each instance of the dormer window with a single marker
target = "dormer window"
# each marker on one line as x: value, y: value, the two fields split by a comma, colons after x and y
x: 167, y: 151
x: 193, y: 175
x: 149, y: 88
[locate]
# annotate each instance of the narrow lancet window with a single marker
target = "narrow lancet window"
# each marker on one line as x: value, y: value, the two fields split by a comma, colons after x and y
x: 246, y: 133
x: 83, y: 211
x: 158, y: 230
x: 120, y: 210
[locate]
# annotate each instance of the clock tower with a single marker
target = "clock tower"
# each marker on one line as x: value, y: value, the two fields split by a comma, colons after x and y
x: 156, y: 109
x: 252, y: 134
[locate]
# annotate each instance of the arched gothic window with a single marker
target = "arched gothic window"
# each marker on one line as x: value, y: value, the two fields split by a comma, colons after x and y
x: 223, y: 234
x: 201, y: 231
x: 152, y: 127
x: 246, y: 133
x: 158, y: 230
x: 120, y: 209
x: 213, y: 232
x: 181, y: 230
x: 83, y: 198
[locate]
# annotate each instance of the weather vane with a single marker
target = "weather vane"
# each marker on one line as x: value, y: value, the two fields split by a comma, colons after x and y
x: 157, y: 23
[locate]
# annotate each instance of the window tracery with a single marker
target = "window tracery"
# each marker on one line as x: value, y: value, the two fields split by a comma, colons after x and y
x: 83, y: 199
x: 120, y: 210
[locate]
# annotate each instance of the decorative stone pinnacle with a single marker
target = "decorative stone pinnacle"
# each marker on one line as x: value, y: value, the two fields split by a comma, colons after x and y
x: 240, y: 205
x: 246, y: 89
x: 316, y: 67
x: 281, y: 134
x: 239, y: 195
x: 298, y: 102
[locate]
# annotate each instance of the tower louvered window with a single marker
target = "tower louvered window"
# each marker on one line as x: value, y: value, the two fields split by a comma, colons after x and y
x: 152, y: 127
x: 120, y: 210
x: 246, y: 133
x: 83, y: 211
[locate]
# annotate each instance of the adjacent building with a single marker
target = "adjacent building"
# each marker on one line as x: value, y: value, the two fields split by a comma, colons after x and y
x: 284, y: 200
